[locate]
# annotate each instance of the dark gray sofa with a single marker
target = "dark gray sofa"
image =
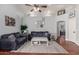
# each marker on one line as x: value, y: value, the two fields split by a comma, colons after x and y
x: 39, y: 34
x: 12, y: 41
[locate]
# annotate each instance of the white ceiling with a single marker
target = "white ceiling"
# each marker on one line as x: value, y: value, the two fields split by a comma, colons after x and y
x: 51, y: 7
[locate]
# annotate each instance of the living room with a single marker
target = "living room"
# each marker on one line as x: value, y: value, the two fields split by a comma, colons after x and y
x: 22, y: 24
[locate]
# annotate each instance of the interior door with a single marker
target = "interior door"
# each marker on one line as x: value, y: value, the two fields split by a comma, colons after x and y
x: 72, y: 29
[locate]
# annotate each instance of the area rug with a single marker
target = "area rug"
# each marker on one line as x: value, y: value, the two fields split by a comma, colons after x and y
x: 53, y: 47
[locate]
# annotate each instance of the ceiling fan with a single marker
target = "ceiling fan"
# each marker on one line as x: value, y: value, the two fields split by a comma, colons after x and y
x: 36, y: 7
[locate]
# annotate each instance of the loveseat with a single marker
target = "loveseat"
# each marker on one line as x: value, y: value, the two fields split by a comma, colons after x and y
x: 12, y: 41
x: 39, y: 34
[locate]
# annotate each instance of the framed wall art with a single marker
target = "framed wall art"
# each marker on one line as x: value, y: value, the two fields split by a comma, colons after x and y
x: 61, y: 12
x: 71, y: 13
x: 9, y: 21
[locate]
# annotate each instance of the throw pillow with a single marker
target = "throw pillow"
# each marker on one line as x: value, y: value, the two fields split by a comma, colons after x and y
x: 17, y: 35
x: 11, y: 38
x: 46, y: 34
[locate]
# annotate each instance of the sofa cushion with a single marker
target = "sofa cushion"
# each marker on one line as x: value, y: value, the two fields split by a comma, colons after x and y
x: 46, y: 34
x: 5, y: 36
x: 17, y: 35
x: 39, y: 34
x: 11, y: 38
x: 19, y: 40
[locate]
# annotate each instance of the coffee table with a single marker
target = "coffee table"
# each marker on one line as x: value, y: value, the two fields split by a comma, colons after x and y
x: 39, y: 41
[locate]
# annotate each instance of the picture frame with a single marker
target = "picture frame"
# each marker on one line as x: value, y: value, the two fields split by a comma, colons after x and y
x: 9, y: 21
x: 72, y: 13
x: 61, y: 12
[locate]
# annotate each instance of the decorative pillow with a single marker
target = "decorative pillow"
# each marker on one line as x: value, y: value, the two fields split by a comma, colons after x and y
x: 17, y: 35
x: 34, y: 34
x: 4, y: 36
x: 11, y: 38
x: 46, y: 34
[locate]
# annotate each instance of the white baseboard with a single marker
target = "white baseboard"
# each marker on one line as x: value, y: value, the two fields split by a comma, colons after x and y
x: 76, y: 42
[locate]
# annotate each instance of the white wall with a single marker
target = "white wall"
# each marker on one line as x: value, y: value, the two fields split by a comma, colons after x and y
x: 9, y: 10
x: 49, y: 25
x: 77, y: 22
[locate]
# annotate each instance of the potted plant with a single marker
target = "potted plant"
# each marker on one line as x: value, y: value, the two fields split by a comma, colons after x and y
x: 23, y: 28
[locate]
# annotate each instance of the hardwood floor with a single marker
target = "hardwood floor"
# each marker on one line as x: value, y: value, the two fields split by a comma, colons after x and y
x: 71, y: 47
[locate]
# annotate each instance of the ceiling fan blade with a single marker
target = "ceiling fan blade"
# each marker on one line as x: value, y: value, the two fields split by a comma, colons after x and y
x: 28, y: 4
x: 40, y: 11
x: 36, y: 5
x: 32, y: 10
x: 44, y: 6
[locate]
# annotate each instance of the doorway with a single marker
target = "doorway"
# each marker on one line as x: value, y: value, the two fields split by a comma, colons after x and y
x: 61, y: 28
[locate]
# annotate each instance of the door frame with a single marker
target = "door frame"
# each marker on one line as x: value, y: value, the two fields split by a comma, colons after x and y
x: 63, y: 29
x: 66, y: 28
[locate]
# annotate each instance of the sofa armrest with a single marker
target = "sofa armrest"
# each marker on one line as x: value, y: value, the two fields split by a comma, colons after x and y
x: 7, y: 44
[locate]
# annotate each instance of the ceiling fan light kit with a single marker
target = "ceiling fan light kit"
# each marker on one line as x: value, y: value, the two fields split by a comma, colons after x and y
x: 38, y: 9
